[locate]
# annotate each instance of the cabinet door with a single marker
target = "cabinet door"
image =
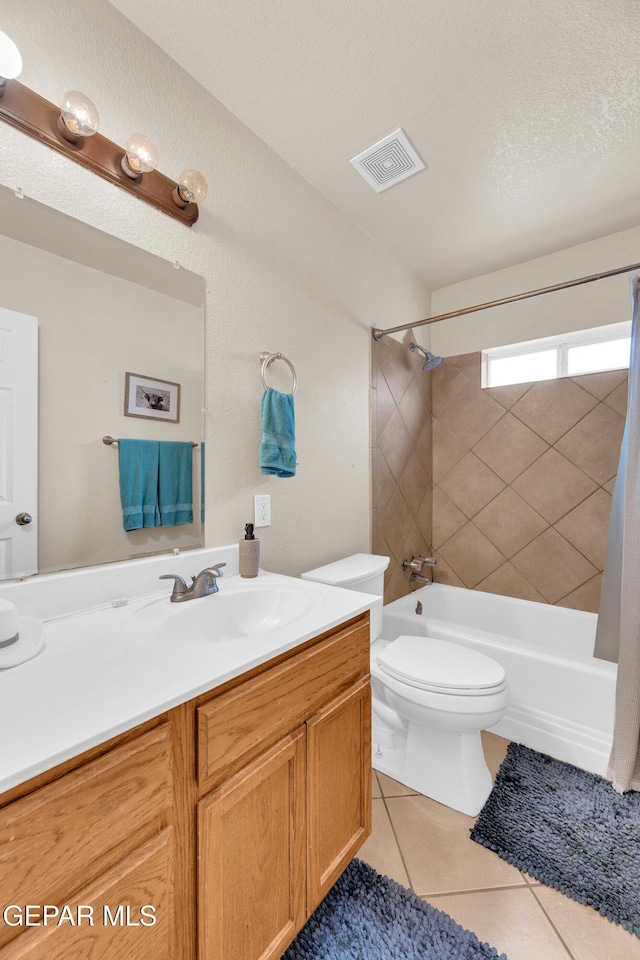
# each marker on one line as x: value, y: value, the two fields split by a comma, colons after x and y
x: 339, y: 805
x: 125, y: 913
x: 238, y: 725
x: 251, y: 890
x: 56, y: 840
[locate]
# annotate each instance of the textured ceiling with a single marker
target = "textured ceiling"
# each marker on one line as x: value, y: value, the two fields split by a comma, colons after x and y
x: 525, y: 113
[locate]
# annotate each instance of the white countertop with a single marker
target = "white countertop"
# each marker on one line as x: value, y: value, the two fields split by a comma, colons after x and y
x: 96, y: 678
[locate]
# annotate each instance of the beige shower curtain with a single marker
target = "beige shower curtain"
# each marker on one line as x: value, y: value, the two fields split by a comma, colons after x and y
x: 619, y: 620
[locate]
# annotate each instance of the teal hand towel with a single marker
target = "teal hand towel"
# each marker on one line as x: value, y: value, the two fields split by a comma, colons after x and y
x: 278, y: 444
x: 175, y: 483
x: 138, y: 467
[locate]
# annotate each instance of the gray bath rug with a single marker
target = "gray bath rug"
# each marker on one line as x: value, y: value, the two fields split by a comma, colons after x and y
x: 567, y: 828
x: 369, y: 917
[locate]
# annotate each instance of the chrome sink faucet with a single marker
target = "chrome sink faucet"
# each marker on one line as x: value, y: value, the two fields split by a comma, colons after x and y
x: 201, y: 586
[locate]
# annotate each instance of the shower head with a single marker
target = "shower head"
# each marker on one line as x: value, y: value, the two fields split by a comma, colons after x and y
x: 431, y: 360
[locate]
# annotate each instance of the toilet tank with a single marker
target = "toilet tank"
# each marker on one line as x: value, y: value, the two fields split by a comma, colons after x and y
x: 363, y: 572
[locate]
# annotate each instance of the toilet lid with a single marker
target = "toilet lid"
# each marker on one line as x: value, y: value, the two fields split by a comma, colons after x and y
x: 441, y: 666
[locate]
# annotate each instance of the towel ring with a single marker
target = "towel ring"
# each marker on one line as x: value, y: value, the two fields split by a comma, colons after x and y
x: 267, y: 360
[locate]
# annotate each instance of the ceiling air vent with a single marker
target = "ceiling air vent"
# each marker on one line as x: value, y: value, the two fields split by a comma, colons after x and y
x: 388, y: 161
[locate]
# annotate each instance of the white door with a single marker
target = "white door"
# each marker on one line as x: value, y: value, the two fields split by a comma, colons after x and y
x: 18, y: 444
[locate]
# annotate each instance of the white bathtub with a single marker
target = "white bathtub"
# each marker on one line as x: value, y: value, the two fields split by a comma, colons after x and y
x: 562, y: 698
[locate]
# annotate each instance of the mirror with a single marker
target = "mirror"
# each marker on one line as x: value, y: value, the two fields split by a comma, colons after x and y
x: 104, y: 309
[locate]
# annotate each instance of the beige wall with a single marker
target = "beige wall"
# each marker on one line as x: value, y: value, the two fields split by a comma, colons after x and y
x: 285, y: 271
x: 523, y: 477
x: 93, y: 327
x: 401, y: 457
x: 578, y: 308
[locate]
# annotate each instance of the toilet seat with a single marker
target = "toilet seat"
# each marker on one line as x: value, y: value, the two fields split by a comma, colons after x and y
x: 430, y: 698
x: 440, y: 666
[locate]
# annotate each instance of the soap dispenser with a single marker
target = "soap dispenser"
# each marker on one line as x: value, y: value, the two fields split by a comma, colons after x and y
x: 249, y: 553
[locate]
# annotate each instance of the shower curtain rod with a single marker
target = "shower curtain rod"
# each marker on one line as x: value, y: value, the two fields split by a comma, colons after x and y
x: 379, y: 334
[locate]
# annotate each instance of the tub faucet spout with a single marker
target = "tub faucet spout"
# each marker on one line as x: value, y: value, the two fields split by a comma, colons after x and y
x: 418, y: 578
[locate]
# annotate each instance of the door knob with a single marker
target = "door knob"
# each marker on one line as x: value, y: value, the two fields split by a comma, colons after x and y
x: 23, y: 519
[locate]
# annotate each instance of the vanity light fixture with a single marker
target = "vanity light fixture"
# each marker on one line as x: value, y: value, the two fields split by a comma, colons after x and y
x: 10, y: 61
x: 192, y: 186
x: 140, y: 156
x: 78, y: 117
x: 71, y: 129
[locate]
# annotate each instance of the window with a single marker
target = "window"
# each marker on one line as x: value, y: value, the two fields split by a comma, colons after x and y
x: 568, y: 355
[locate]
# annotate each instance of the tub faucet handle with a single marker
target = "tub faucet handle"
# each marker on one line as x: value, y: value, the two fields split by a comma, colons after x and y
x: 417, y: 563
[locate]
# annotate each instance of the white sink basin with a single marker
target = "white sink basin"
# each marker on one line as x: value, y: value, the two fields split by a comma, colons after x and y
x: 238, y: 610
x: 243, y: 612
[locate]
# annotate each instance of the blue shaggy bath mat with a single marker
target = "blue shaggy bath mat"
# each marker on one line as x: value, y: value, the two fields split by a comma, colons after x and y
x: 567, y: 828
x: 369, y: 917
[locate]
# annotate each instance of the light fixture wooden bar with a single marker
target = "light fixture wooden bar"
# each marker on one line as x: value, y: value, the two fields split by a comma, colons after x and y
x: 27, y: 111
x: 379, y: 334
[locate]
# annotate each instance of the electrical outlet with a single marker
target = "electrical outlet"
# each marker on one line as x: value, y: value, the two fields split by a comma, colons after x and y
x: 263, y: 510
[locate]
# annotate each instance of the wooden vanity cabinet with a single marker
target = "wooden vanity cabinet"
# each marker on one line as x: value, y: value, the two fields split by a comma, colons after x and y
x: 275, y: 835
x: 229, y: 818
x: 100, y: 838
x: 339, y: 787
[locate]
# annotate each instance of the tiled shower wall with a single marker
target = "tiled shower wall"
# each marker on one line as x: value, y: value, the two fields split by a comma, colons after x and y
x: 511, y: 486
x: 523, y: 477
x: 401, y: 458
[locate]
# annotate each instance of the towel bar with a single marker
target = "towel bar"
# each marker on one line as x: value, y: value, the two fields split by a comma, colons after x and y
x: 111, y: 440
x: 267, y: 359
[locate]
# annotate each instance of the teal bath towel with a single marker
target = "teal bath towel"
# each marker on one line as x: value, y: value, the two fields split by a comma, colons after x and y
x: 138, y: 466
x: 175, y: 483
x: 278, y: 444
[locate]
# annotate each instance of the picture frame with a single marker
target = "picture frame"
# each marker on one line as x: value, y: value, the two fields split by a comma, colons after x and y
x: 151, y: 399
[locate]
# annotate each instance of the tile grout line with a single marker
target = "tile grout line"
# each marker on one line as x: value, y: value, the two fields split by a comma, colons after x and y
x: 550, y: 446
x: 526, y: 886
x: 436, y: 416
x: 384, y: 797
x: 529, y: 883
x: 583, y: 417
x: 558, y: 603
x: 553, y: 925
x: 550, y: 526
x: 462, y: 893
x: 395, y: 836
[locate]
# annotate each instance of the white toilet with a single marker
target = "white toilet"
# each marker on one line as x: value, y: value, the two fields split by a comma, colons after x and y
x: 430, y: 699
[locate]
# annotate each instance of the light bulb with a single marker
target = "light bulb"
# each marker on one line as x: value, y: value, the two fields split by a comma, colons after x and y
x: 141, y: 156
x: 192, y: 187
x: 10, y: 59
x: 78, y: 116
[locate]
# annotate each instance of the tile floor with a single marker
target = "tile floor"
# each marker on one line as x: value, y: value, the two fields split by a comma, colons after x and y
x: 426, y: 846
